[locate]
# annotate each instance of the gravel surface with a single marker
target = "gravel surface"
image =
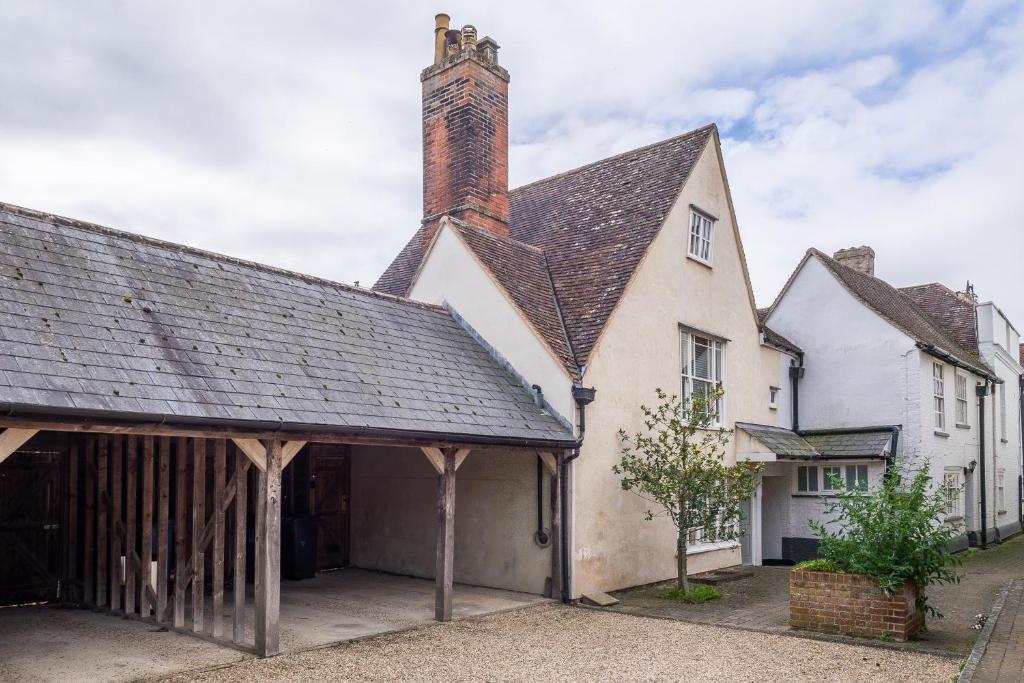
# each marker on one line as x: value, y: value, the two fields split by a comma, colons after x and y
x: 557, y: 643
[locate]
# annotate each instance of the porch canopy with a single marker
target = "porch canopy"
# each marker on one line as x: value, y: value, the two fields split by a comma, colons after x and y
x: 766, y: 443
x: 153, y: 348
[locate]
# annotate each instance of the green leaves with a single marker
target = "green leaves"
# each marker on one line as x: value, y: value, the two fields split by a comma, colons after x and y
x: 894, y: 533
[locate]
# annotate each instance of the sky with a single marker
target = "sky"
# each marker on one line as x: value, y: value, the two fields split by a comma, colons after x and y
x: 289, y: 132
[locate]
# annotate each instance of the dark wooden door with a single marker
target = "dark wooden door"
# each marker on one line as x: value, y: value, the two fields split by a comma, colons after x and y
x: 30, y: 527
x: 330, y: 477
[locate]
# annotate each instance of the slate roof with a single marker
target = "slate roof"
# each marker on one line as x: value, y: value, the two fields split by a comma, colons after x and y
x: 836, y: 444
x: 773, y: 338
x: 900, y: 310
x: 593, y: 224
x: 100, y: 322
x: 954, y: 314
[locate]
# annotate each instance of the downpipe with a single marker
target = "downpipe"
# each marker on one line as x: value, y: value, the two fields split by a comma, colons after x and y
x: 583, y: 396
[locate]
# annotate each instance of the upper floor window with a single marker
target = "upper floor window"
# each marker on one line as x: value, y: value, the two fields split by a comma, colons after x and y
x: 940, y: 395
x: 702, y: 232
x: 703, y: 369
x: 773, y: 398
x: 961, y: 399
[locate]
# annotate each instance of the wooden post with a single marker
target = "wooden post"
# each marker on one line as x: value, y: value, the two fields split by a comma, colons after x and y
x: 146, y: 605
x: 102, y: 498
x: 116, y: 454
x: 130, y: 570
x: 71, y: 576
x: 89, y: 540
x: 268, y: 588
x: 444, y: 570
x: 161, y: 529
x: 181, y: 577
x: 198, y: 531
x: 219, y: 476
x: 241, y: 512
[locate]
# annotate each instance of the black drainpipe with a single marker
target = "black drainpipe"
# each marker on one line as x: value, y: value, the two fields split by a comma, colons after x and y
x: 982, y: 391
x: 583, y: 397
x: 796, y: 372
x: 542, y: 535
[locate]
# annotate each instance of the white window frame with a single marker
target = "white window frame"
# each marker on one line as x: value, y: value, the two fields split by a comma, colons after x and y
x: 951, y: 489
x: 688, y: 341
x: 856, y: 482
x: 701, y: 237
x: 773, y: 397
x: 962, y: 407
x: 1001, y: 491
x: 825, y: 482
x: 810, y: 478
x: 939, y: 390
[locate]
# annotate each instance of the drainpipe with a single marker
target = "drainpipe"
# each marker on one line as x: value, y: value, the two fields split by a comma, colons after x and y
x: 541, y: 537
x: 982, y: 391
x: 796, y: 372
x: 583, y: 396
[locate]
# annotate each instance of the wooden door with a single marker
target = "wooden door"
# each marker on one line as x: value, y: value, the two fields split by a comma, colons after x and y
x: 30, y: 527
x: 330, y: 479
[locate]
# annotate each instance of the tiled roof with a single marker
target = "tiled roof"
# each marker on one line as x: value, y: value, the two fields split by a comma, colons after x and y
x: 954, y: 314
x: 773, y: 338
x: 523, y: 272
x: 96, y: 321
x: 902, y: 312
x: 593, y: 224
x: 837, y: 444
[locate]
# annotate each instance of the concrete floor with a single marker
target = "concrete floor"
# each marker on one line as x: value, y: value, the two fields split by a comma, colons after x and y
x: 61, y: 644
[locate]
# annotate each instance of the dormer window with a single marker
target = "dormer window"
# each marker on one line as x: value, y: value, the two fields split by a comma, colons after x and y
x: 702, y: 232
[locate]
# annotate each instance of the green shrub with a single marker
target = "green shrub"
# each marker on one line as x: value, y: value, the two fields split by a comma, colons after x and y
x: 694, y: 596
x: 894, y: 533
x: 819, y: 565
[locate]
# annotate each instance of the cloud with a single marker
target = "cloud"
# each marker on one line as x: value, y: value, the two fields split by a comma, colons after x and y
x: 289, y: 132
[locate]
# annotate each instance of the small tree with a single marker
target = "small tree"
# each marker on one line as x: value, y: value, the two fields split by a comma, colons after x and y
x: 893, y: 533
x: 679, y: 465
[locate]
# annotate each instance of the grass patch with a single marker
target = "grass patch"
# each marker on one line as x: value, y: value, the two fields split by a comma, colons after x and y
x: 819, y: 565
x: 694, y: 596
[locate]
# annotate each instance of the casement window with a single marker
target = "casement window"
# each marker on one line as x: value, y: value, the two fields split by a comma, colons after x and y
x: 1000, y: 491
x: 940, y: 395
x: 703, y: 369
x: 832, y: 478
x: 952, y: 493
x: 773, y: 398
x: 961, y: 399
x: 702, y: 231
x: 857, y: 477
x: 807, y: 479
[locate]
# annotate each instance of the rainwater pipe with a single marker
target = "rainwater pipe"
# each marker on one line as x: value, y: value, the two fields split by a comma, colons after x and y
x: 583, y: 396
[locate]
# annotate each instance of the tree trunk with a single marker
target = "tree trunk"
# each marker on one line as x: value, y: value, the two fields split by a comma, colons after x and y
x: 681, y: 579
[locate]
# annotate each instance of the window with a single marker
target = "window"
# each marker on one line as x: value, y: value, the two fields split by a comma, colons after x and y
x: 940, y: 395
x: 715, y: 532
x: 961, y: 399
x: 1002, y: 412
x: 857, y: 477
x: 1000, y: 492
x: 807, y: 479
x: 703, y: 369
x: 951, y: 492
x: 701, y: 232
x: 773, y: 397
x: 832, y: 478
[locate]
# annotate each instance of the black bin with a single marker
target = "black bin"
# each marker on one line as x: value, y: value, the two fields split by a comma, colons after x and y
x: 298, y: 547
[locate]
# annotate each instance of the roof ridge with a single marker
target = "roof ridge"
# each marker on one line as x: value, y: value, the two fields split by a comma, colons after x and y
x: 195, y: 251
x: 708, y: 126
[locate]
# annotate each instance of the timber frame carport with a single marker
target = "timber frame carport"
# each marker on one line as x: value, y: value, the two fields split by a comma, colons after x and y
x: 116, y: 461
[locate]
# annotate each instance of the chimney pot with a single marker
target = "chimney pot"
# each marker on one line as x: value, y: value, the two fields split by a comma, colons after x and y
x: 440, y: 29
x: 860, y: 258
x: 469, y: 37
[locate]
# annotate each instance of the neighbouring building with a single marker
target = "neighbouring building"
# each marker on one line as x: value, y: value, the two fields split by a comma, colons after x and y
x: 919, y: 374
x: 603, y: 282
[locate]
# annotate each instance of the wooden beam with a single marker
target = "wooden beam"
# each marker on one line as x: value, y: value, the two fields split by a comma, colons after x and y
x: 444, y: 568
x: 116, y: 455
x: 255, y: 451
x: 550, y: 461
x: 74, y: 462
x: 147, y: 603
x: 181, y: 575
x: 198, y: 529
x: 131, y: 572
x: 102, y: 510
x: 460, y: 456
x: 289, y: 450
x: 268, y: 588
x: 241, y: 514
x: 89, y: 542
x: 13, y: 439
x: 435, y: 456
x: 163, y: 505
x: 220, y: 455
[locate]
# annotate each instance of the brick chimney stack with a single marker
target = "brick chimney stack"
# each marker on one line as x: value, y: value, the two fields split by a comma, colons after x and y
x: 859, y: 258
x: 465, y: 131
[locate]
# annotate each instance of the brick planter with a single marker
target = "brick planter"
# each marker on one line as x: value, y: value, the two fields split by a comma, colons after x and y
x: 851, y: 604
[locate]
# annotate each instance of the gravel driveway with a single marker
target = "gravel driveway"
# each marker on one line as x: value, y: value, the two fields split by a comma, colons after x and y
x: 557, y: 643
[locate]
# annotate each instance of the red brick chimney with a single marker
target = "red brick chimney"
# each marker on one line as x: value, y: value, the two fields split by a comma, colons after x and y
x: 465, y: 131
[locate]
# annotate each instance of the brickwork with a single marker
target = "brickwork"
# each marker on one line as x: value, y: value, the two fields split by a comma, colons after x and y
x: 851, y: 604
x: 465, y: 142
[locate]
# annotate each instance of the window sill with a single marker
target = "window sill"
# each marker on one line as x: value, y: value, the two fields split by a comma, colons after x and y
x: 709, y: 547
x: 773, y: 406
x: 1004, y: 441
x: 706, y: 264
x: 954, y: 518
x: 1001, y: 512
x: 940, y: 433
x: 962, y: 426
